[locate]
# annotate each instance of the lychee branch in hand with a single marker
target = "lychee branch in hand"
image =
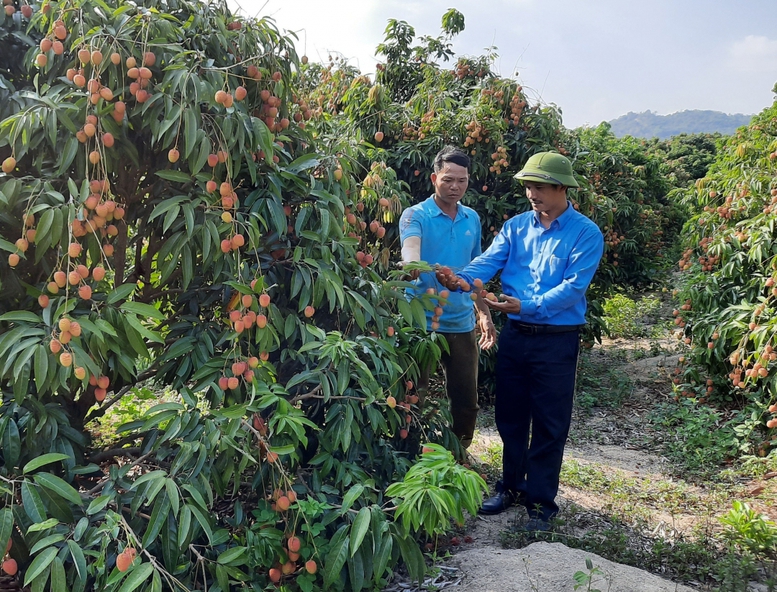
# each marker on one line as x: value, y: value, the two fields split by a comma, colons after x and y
x: 452, y: 281
x: 502, y: 303
x: 411, y: 269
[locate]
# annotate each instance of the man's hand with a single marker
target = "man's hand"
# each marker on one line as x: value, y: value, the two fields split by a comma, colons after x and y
x: 505, y: 304
x: 412, y: 274
x: 448, y: 279
x: 487, y: 331
x: 413, y: 268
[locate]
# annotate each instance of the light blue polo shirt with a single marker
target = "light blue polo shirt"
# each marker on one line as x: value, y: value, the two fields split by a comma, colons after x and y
x: 448, y: 242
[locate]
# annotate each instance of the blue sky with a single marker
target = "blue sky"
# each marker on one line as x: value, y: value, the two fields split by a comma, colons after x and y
x: 595, y: 59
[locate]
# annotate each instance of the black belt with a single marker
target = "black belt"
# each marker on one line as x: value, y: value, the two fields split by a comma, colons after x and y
x: 531, y: 329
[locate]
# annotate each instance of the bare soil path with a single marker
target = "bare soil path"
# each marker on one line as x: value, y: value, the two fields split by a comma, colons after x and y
x: 614, y: 479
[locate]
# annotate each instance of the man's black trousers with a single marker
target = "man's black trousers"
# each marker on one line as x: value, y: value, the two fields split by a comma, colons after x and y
x: 535, y: 384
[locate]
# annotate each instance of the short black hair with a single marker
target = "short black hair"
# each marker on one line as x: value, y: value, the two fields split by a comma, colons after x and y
x: 453, y: 155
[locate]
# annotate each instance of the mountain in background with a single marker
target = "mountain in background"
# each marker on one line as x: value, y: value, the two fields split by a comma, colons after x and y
x: 651, y: 125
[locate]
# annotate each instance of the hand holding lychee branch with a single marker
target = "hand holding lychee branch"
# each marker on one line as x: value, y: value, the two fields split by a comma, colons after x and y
x: 411, y: 269
x: 450, y: 280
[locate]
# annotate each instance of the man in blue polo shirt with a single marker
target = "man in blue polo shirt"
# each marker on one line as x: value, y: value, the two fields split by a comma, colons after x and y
x: 547, y: 257
x: 442, y: 230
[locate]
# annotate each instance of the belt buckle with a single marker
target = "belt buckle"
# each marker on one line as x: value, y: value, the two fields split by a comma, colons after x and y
x: 526, y: 328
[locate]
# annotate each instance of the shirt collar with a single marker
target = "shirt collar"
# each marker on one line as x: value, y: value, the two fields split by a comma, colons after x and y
x: 568, y: 214
x: 561, y: 221
x: 435, y: 210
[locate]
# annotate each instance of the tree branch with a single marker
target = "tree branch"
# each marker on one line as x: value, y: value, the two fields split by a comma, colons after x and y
x: 102, y: 481
x: 200, y: 558
x: 120, y: 253
x: 141, y: 514
x: 314, y: 395
x: 113, y: 453
x: 152, y: 295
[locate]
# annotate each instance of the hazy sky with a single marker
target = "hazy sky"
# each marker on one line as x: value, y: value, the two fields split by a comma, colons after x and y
x: 595, y: 59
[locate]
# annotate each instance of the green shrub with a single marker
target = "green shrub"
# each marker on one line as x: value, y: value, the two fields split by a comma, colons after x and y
x: 751, y: 532
x: 727, y: 302
x: 434, y: 492
x: 625, y: 317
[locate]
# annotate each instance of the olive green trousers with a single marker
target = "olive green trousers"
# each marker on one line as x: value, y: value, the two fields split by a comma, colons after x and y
x: 460, y: 367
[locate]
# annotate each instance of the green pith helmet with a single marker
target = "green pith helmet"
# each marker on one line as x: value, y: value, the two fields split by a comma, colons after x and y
x: 548, y: 167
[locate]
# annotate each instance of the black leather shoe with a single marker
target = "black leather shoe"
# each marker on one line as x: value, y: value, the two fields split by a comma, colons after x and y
x: 501, y: 501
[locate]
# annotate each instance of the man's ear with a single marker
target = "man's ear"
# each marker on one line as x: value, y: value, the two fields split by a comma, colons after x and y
x: 433, y: 177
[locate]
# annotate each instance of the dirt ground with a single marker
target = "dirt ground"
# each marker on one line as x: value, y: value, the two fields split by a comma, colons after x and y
x: 613, y: 441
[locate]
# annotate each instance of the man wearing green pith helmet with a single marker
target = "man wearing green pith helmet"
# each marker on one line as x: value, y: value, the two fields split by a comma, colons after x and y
x: 547, y: 257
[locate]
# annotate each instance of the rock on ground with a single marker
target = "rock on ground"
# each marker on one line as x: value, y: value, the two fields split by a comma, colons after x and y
x: 549, y: 567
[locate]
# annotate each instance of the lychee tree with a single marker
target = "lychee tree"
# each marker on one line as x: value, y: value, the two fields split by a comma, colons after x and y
x: 726, y: 309
x: 168, y: 219
x: 685, y: 157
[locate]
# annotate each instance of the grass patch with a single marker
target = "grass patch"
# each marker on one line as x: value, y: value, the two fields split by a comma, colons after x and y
x: 600, y: 383
x: 492, y: 456
x: 635, y: 499
x: 753, y: 467
x: 130, y: 407
x: 695, y: 438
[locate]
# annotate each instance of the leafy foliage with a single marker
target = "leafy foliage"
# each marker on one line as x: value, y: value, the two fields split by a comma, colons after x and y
x: 727, y: 310
x: 686, y: 157
x: 623, y: 315
x: 435, y: 490
x: 170, y: 222
x: 626, y: 195
x: 750, y: 531
x: 691, y: 442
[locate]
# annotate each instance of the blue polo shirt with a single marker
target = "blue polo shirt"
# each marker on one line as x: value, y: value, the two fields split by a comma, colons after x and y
x: 448, y: 242
x: 547, y: 269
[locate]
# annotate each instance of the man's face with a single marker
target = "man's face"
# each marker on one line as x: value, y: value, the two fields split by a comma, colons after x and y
x: 450, y: 183
x: 546, y: 198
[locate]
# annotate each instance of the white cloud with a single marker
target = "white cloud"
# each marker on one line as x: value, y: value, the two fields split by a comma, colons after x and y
x: 348, y: 28
x: 754, y: 53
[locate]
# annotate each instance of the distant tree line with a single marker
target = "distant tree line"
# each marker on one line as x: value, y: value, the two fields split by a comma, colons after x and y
x: 651, y: 125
